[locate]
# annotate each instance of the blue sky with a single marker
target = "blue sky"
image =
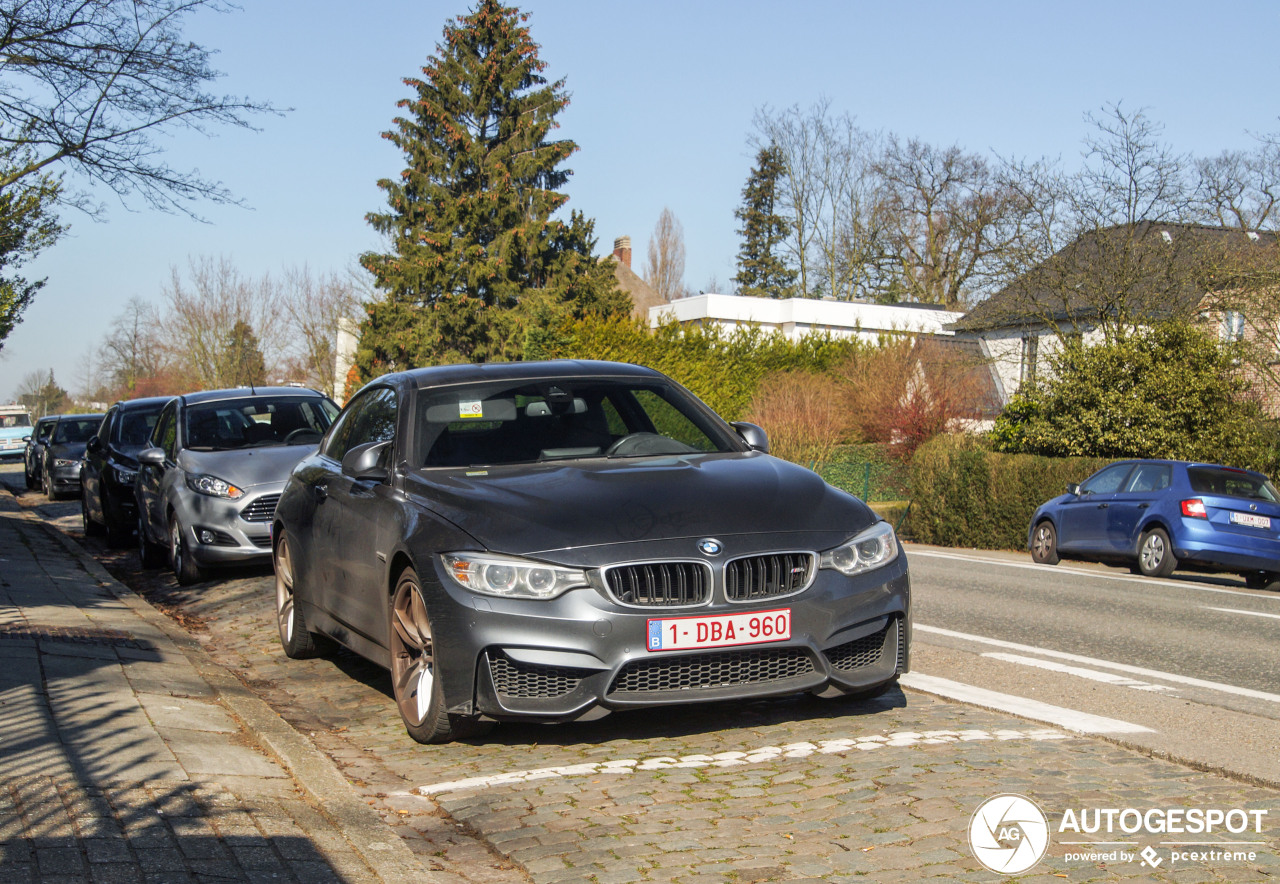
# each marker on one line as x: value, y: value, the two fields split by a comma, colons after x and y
x: 663, y: 94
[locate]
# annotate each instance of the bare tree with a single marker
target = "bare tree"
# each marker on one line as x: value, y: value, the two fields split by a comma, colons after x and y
x: 92, y: 86
x: 132, y: 352
x: 202, y: 312
x: 314, y: 306
x: 664, y: 270
x: 944, y: 214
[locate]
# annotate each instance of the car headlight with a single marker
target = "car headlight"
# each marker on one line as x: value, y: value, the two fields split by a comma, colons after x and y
x: 510, y: 577
x: 214, y: 487
x: 873, y: 548
x: 124, y: 475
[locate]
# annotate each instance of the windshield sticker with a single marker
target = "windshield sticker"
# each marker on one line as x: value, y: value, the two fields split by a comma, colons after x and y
x: 471, y: 409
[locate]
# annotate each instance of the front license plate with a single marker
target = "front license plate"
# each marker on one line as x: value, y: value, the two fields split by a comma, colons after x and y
x: 1250, y: 519
x: 724, y: 630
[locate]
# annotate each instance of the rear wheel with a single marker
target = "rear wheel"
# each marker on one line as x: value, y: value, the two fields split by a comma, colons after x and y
x: 184, y: 566
x: 31, y: 480
x: 1155, y: 554
x: 419, y: 693
x: 1044, y: 544
x: 151, y: 554
x: 1260, y: 579
x: 297, y: 641
x: 91, y: 528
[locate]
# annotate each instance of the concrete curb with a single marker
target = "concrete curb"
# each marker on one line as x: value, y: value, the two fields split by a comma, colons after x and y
x: 368, y: 834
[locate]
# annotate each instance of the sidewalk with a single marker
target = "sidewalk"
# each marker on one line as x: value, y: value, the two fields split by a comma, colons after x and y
x: 128, y: 755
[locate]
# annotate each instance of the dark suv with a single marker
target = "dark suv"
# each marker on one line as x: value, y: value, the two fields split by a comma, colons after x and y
x: 63, y: 450
x: 111, y: 465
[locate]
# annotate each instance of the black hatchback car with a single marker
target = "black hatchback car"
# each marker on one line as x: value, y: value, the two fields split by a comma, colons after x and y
x: 33, y: 455
x: 553, y: 541
x: 110, y: 467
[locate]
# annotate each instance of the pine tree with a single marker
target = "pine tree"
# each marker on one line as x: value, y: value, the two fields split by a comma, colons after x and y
x: 469, y: 220
x: 761, y: 272
x: 244, y: 364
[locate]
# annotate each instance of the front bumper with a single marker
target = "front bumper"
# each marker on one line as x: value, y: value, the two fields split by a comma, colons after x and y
x: 228, y: 532
x: 583, y: 655
x: 64, y: 478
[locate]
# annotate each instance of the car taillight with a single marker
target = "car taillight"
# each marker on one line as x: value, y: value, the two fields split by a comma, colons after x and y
x: 1194, y: 509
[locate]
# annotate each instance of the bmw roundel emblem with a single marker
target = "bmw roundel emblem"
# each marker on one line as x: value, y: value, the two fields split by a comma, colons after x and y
x: 710, y: 547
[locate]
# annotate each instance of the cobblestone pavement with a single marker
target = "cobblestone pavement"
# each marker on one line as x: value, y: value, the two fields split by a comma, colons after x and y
x: 793, y: 790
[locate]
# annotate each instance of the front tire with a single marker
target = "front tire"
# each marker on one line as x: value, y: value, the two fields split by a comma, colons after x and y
x: 418, y: 691
x: 1155, y: 554
x: 1044, y: 544
x: 298, y: 642
x: 184, y: 566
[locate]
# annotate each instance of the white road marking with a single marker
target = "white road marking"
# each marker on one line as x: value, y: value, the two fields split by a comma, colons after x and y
x: 1085, y: 572
x: 1238, y: 611
x: 623, y: 766
x: 1071, y: 719
x: 1079, y: 672
x: 1092, y: 661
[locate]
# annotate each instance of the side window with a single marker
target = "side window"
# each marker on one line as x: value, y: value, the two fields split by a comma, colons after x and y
x: 1150, y: 477
x: 376, y: 422
x: 1108, y: 481
x: 104, y: 431
x: 165, y: 434
x: 370, y: 418
x: 46, y: 430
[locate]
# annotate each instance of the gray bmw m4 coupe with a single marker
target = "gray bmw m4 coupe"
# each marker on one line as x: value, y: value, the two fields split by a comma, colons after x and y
x: 553, y: 541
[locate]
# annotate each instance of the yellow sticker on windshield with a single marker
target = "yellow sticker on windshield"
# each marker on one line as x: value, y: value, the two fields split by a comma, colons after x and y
x: 471, y: 409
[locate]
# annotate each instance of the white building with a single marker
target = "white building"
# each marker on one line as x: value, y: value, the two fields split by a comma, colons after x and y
x: 797, y: 317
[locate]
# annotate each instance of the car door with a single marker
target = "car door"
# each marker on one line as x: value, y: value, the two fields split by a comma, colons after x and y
x: 151, y: 477
x: 1128, y: 507
x: 95, y: 459
x: 1083, y: 525
x: 361, y: 510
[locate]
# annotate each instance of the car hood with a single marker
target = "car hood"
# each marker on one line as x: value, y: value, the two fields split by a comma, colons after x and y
x: 246, y: 467
x: 548, y: 508
x: 67, y: 450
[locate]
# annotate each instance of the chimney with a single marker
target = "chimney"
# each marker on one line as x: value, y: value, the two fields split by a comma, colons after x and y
x: 622, y: 251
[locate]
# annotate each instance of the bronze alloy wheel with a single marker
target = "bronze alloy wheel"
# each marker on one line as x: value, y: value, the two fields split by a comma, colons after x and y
x: 298, y: 642
x: 417, y: 691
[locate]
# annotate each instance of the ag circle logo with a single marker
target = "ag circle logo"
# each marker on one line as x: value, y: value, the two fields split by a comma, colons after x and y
x: 1008, y: 834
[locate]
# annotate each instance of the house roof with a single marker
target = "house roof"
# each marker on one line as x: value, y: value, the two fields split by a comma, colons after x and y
x: 1157, y: 271
x: 961, y: 368
x: 643, y: 296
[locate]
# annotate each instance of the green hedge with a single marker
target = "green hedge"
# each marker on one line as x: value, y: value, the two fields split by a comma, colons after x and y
x: 868, y: 471
x: 723, y: 368
x: 965, y: 495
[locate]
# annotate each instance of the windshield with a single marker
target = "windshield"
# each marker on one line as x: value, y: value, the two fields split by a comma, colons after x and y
x: 76, y: 430
x: 1233, y: 483
x: 523, y: 422
x: 256, y: 421
x: 13, y: 421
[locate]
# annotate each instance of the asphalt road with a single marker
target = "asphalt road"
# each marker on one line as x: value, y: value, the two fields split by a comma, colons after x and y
x: 1195, y: 659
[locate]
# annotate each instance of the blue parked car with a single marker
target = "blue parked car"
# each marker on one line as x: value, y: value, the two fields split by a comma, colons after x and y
x: 1158, y: 515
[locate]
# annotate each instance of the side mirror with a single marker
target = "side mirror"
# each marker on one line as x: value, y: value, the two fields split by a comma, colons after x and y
x: 1073, y: 489
x: 151, y: 457
x: 26, y: 438
x: 753, y: 435
x: 366, y: 461
x: 94, y: 445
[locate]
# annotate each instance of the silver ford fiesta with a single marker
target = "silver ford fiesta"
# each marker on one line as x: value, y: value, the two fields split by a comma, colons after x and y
x: 207, y: 486
x: 553, y: 541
